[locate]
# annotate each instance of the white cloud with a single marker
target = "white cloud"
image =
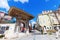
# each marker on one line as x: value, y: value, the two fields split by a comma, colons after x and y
x: 4, y: 4
x: 22, y: 1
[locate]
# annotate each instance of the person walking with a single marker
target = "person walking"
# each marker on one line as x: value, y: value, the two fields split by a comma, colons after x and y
x: 45, y: 30
x: 57, y: 32
x: 42, y: 28
x: 6, y: 33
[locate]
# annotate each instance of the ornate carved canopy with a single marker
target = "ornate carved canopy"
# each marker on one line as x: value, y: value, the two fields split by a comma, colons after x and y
x: 19, y: 14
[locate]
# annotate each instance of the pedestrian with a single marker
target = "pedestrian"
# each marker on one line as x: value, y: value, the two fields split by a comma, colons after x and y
x: 57, y: 32
x: 34, y: 26
x: 30, y: 29
x: 22, y: 27
x: 45, y: 30
x: 42, y: 30
x: 6, y: 33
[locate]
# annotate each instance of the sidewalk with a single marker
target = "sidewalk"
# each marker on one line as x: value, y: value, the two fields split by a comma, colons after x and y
x: 19, y: 36
x: 35, y: 37
x: 40, y: 37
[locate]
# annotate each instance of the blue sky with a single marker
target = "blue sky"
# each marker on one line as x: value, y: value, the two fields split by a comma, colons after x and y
x: 33, y: 7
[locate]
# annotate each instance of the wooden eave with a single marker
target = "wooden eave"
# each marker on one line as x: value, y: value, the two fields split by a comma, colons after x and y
x: 15, y: 12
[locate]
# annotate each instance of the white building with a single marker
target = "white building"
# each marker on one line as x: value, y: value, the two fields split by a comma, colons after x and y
x: 5, y: 23
x: 48, y: 19
x: 11, y: 27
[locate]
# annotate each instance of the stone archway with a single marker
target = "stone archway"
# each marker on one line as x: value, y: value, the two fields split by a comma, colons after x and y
x: 22, y: 26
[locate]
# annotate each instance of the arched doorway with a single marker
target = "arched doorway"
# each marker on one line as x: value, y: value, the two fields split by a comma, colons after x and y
x: 22, y: 27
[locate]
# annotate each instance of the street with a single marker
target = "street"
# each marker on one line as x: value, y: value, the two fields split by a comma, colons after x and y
x: 39, y: 37
x: 36, y: 36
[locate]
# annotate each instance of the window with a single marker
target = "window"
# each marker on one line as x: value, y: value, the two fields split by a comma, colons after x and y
x: 50, y: 27
x: 47, y: 27
x: 3, y: 29
x: 55, y: 28
x: 7, y: 27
